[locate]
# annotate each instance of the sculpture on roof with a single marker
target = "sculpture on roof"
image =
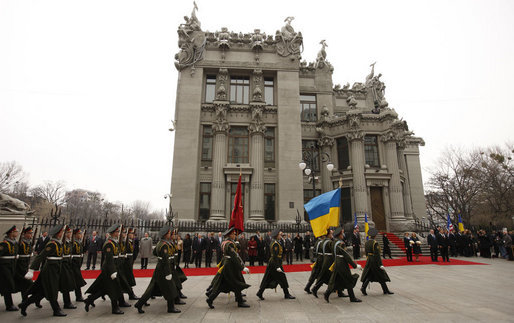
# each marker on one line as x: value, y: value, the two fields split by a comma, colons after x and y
x: 377, y: 88
x: 288, y: 41
x: 191, y: 42
x: 321, y: 60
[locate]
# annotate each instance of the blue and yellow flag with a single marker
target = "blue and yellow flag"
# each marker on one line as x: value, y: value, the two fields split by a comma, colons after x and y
x: 366, y: 225
x: 323, y: 211
x: 461, y: 225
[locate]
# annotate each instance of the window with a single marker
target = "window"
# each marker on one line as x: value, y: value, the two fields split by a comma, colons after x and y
x: 269, y: 145
x: 269, y: 202
x: 207, y: 143
x: 371, y: 151
x: 233, y: 189
x: 205, y: 201
x: 307, y: 195
x: 308, y: 108
x: 238, y: 145
x: 346, y: 206
x: 343, y: 156
x: 310, y: 146
x: 268, y: 91
x: 239, y: 89
x: 210, y: 88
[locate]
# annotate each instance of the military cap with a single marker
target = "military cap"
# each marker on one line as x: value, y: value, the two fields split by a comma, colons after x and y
x: 77, y: 230
x: 55, y: 230
x: 27, y: 229
x: 338, y: 231
x: 113, y: 228
x: 275, y: 233
x: 164, y: 231
x: 229, y: 230
x: 68, y: 228
x: 12, y: 229
x: 372, y: 232
x: 130, y: 230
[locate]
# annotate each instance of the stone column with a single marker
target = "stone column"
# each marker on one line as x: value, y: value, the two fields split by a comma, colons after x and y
x: 395, y: 186
x: 220, y: 128
x: 406, y: 185
x: 326, y: 144
x: 359, y: 180
x: 257, y: 162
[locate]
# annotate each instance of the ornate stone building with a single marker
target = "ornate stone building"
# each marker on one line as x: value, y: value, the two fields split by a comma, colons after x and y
x: 247, y: 104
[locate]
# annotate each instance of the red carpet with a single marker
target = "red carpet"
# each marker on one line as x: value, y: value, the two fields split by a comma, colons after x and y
x: 91, y: 274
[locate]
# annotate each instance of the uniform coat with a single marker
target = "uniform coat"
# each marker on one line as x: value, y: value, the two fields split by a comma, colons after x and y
x: 372, y: 271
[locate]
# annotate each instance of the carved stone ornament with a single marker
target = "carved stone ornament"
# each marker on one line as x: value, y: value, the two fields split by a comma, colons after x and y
x: 376, y: 86
x: 321, y: 59
x: 326, y: 141
x: 257, y: 86
x: 391, y: 135
x: 289, y: 42
x: 221, y: 112
x: 352, y: 103
x: 221, y: 90
x: 354, y: 120
x: 220, y: 126
x: 223, y: 38
x: 355, y: 135
x: 257, y: 127
x: 191, y: 42
x: 324, y: 115
x: 10, y: 205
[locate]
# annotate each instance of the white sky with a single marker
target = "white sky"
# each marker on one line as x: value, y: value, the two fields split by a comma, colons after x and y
x: 87, y: 88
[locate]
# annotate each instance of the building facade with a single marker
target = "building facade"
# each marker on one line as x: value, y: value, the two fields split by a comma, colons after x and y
x: 246, y: 104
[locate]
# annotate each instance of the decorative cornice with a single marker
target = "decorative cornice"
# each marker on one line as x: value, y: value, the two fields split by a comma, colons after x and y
x: 355, y: 135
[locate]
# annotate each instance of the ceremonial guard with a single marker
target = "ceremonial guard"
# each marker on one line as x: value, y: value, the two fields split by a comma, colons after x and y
x: 125, y: 274
x: 25, y: 248
x: 328, y: 259
x: 8, y: 252
x: 374, y: 271
x: 341, y: 277
x: 274, y: 274
x: 66, y: 278
x: 316, y: 266
x: 230, y: 278
x: 47, y: 284
x: 77, y: 257
x: 178, y: 274
x: 107, y: 283
x: 162, y: 283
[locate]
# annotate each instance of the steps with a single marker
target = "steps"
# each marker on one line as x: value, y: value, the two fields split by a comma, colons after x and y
x: 396, y: 244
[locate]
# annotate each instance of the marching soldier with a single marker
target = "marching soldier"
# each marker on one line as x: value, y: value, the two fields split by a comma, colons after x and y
x: 341, y: 277
x: 66, y: 278
x: 8, y: 252
x: 125, y: 274
x: 107, y: 283
x: 328, y: 259
x: 25, y: 249
x: 47, y: 283
x: 162, y: 283
x: 230, y: 278
x: 374, y: 271
x: 274, y: 274
x: 318, y: 263
x: 77, y: 257
x: 177, y: 273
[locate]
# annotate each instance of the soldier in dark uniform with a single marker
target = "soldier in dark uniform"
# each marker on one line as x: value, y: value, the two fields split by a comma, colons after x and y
x: 77, y: 257
x: 328, y: 259
x: 230, y: 278
x: 107, y: 283
x: 8, y: 252
x: 22, y: 279
x: 162, y: 283
x: 274, y: 274
x: 47, y: 283
x: 67, y: 277
x: 316, y: 266
x: 341, y: 277
x: 178, y: 274
x: 125, y: 274
x: 374, y: 271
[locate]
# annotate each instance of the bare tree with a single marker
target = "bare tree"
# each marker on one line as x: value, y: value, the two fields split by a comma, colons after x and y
x: 53, y: 192
x: 140, y: 209
x: 11, y: 174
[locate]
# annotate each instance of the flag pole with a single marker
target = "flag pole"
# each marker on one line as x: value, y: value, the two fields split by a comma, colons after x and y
x: 340, y: 198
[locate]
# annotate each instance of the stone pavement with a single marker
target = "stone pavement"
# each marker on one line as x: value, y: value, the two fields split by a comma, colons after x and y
x: 473, y: 293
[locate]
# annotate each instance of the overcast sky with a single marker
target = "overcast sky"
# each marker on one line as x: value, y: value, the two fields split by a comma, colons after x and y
x: 87, y: 88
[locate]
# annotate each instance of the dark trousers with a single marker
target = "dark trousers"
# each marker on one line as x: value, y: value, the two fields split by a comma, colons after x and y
x: 387, y: 252
x: 36, y: 298
x: 144, y: 263
x: 299, y: 254
x: 356, y: 252
x: 252, y: 260
x: 453, y: 251
x: 197, y: 257
x: 307, y: 253
x: 178, y: 256
x: 219, y: 255
x: 409, y: 254
x: 433, y: 253
x: 208, y: 258
x: 8, y: 300
x: 444, y: 253
x: 89, y: 256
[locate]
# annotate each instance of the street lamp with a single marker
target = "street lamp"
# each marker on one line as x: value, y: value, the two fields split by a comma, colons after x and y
x: 307, y: 165
x: 170, y: 215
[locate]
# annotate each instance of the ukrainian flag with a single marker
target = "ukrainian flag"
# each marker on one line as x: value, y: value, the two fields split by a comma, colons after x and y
x: 366, y: 225
x: 461, y: 225
x: 323, y: 211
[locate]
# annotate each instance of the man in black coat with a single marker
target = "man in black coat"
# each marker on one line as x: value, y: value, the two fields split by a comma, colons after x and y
x: 452, y: 240
x: 93, y: 245
x: 408, y: 246
x: 298, y: 247
x: 356, y: 243
x: 289, y: 249
x: 41, y: 242
x: 434, y: 246
x: 442, y: 241
x: 210, y: 245
x: 307, y: 244
x: 218, y: 241
x: 197, y: 250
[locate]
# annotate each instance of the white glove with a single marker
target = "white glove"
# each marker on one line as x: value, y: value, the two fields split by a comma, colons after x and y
x: 29, y: 274
x: 359, y: 267
x: 168, y: 277
x: 280, y: 270
x: 114, y: 275
x: 246, y: 270
x: 383, y: 268
x: 418, y: 242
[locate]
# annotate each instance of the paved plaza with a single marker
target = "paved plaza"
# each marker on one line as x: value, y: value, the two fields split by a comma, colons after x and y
x: 468, y: 293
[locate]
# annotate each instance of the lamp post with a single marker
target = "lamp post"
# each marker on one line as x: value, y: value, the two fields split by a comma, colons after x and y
x: 169, y: 215
x: 298, y: 221
x: 307, y: 165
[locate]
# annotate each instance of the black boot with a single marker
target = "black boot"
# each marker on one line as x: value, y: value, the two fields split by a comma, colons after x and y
x: 89, y: 301
x: 78, y: 295
x: 122, y: 302
x: 23, y: 307
x: 209, y: 302
x: 259, y: 294
x: 385, y: 289
x: 133, y: 296
x: 9, y: 306
x: 139, y: 308
x: 307, y: 288
x: 182, y: 295
x: 115, y: 308
x: 363, y: 288
x: 57, y: 309
x: 240, y: 300
x: 178, y: 301
x: 67, y: 301
x: 287, y: 295
x: 341, y: 294
x: 326, y: 295
x: 172, y: 309
x: 353, y: 299
x: 316, y: 288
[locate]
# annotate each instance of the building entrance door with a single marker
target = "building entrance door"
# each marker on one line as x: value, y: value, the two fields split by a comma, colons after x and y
x: 377, y: 208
